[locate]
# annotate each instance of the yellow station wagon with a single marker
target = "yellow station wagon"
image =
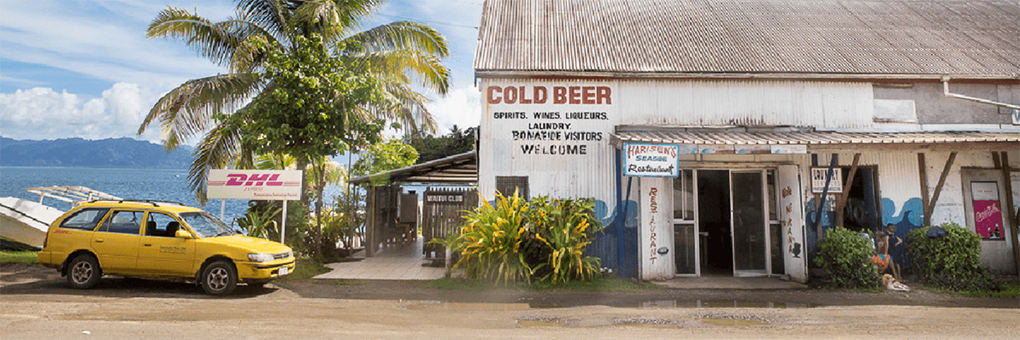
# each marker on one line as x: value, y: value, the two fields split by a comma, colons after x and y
x: 159, y: 240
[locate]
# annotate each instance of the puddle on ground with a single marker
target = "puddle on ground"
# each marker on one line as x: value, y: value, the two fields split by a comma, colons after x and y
x: 733, y: 322
x: 722, y: 304
x: 656, y: 324
x: 541, y: 323
x: 468, y: 307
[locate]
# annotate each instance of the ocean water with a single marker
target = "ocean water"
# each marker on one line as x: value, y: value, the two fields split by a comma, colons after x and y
x: 127, y: 183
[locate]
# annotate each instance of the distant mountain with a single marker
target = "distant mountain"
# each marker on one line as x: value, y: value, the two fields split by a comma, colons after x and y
x: 114, y: 152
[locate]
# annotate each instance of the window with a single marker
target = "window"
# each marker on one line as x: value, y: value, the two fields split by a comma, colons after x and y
x: 86, y: 219
x: 124, y: 222
x: 161, y: 225
x: 206, y: 225
x: 507, y: 185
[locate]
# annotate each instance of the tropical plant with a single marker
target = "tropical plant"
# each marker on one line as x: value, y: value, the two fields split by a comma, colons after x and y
x: 846, y: 255
x: 259, y: 223
x: 516, y: 240
x: 565, y: 227
x: 456, y: 142
x: 491, y: 240
x: 392, y: 54
x: 952, y: 261
x: 384, y: 156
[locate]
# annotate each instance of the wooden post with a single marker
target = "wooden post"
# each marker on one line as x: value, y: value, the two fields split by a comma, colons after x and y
x: 1014, y: 219
x: 846, y: 191
x: 370, y: 211
x: 924, y: 187
x: 938, y: 188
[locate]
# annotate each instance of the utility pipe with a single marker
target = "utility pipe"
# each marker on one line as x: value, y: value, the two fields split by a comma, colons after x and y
x: 945, y: 87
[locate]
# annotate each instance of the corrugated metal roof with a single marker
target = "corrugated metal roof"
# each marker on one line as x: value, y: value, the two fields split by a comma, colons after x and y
x: 813, y: 138
x: 459, y: 168
x: 979, y: 38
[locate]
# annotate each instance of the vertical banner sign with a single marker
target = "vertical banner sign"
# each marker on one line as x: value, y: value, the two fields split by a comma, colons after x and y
x: 651, y: 160
x: 271, y: 185
x: 987, y: 212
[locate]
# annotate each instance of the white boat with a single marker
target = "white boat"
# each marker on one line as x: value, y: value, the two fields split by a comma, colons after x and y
x: 25, y: 221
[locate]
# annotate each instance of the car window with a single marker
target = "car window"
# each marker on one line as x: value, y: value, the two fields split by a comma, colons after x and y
x: 124, y: 222
x: 85, y: 219
x: 162, y: 225
x: 206, y: 225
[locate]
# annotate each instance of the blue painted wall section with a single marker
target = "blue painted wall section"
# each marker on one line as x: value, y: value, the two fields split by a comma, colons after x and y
x: 606, y: 245
x: 909, y: 217
x: 906, y: 218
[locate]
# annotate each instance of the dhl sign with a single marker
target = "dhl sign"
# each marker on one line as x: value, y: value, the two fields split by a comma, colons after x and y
x: 254, y: 184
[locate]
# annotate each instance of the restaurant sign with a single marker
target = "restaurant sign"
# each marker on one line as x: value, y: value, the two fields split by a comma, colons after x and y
x: 275, y: 185
x: 651, y: 160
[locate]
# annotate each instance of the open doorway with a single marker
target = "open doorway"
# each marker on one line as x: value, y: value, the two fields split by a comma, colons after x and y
x: 714, y: 221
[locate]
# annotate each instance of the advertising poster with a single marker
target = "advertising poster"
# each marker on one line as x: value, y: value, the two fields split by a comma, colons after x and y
x: 987, y: 211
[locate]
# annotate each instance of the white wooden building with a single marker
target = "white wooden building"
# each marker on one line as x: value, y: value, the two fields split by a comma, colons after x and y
x: 705, y: 130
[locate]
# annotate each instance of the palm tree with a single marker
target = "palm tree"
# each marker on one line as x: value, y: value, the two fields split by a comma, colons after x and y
x: 399, y: 52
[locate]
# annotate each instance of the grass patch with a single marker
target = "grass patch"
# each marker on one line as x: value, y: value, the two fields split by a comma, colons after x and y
x: 19, y: 256
x: 612, y: 284
x: 306, y: 269
x: 1010, y: 289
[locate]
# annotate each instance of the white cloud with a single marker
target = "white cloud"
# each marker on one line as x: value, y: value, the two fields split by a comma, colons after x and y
x: 41, y: 113
x: 460, y: 107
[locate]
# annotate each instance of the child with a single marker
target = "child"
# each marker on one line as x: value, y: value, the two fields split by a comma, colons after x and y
x: 890, y: 230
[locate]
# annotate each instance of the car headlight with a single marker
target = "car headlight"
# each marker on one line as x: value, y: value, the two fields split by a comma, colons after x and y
x: 261, y: 257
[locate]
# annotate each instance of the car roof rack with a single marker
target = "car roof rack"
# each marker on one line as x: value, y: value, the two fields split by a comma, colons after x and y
x: 154, y: 203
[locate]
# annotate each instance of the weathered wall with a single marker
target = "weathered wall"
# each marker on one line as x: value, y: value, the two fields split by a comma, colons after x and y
x: 933, y: 107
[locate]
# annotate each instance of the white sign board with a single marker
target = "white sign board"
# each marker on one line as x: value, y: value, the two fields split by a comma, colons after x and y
x: 818, y: 176
x: 651, y: 160
x: 274, y: 185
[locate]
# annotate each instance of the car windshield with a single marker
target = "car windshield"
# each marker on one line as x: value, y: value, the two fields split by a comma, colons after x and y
x: 206, y: 225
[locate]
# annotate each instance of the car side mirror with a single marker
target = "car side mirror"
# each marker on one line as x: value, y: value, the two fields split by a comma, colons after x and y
x: 181, y: 233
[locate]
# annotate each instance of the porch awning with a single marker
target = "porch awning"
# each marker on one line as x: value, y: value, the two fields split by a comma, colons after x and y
x: 460, y: 168
x: 816, y: 141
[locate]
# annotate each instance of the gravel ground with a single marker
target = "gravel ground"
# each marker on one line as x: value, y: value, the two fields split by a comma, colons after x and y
x: 36, y: 304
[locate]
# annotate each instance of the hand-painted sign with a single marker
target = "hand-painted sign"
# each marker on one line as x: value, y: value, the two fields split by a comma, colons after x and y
x: 651, y: 160
x: 280, y: 185
x: 818, y: 176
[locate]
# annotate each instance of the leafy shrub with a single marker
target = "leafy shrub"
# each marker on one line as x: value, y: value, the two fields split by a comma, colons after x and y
x: 491, y: 238
x: 259, y: 222
x: 516, y: 240
x: 565, y: 228
x: 951, y: 262
x: 847, y: 256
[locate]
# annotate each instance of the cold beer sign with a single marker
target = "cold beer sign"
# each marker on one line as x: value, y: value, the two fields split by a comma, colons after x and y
x: 651, y: 160
x: 273, y: 185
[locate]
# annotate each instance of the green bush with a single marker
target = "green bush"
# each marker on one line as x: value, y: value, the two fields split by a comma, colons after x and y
x: 846, y: 255
x: 951, y: 262
x: 516, y: 240
x: 565, y: 228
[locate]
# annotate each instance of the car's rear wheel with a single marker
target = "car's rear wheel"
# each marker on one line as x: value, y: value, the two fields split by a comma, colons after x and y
x: 219, y: 278
x: 83, y: 272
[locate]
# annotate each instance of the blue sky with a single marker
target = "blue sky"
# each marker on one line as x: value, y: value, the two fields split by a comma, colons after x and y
x: 85, y: 69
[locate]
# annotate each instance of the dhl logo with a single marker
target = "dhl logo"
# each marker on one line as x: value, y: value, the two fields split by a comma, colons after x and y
x: 236, y: 180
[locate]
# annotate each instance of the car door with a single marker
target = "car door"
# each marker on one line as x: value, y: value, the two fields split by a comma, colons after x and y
x: 161, y: 253
x: 116, y: 241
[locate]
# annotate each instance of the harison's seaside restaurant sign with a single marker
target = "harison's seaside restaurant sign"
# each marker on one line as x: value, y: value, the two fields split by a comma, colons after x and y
x: 651, y: 160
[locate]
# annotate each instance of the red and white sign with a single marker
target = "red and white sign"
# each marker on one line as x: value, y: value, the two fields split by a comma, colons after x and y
x: 275, y: 185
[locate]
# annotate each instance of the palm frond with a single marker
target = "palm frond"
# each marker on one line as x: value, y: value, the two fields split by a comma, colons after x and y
x: 428, y: 68
x: 216, y: 150
x: 188, y: 109
x: 400, y: 35
x: 273, y: 16
x: 215, y: 41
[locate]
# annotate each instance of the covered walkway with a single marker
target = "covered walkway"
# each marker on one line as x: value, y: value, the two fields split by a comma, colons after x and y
x: 394, y: 263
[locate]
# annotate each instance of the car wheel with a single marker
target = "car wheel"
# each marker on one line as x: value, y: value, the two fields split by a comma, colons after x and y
x: 219, y: 278
x: 84, y: 272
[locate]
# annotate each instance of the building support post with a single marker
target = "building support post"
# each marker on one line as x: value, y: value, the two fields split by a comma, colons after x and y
x: 924, y: 188
x: 821, y: 202
x: 846, y: 191
x: 938, y: 189
x: 1014, y: 218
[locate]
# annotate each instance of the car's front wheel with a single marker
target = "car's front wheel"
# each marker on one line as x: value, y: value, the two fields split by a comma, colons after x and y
x: 83, y: 272
x: 219, y: 278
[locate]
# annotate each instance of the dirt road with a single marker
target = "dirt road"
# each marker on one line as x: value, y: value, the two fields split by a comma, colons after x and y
x: 35, y: 304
